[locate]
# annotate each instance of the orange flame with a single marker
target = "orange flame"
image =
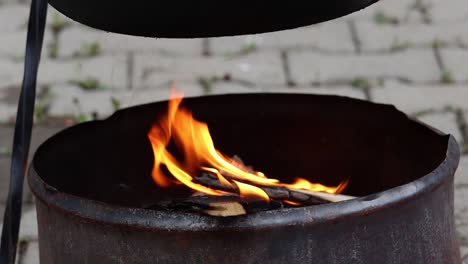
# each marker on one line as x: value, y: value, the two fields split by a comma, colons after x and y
x: 193, y: 139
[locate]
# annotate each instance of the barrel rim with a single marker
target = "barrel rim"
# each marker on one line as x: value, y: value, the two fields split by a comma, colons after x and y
x: 161, y: 221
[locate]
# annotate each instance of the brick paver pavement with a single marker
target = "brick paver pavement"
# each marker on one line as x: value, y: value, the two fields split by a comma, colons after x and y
x: 411, y: 53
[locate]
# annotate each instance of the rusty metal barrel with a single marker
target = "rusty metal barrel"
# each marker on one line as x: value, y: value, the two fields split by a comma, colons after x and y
x: 92, y: 182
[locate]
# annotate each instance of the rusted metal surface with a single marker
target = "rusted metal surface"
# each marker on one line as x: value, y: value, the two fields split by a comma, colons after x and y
x: 405, y: 214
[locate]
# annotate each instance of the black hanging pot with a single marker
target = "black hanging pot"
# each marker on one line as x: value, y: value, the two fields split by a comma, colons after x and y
x: 207, y: 18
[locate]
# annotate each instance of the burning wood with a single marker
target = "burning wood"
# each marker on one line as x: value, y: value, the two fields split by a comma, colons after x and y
x: 280, y: 193
x: 221, y: 175
x: 275, y: 193
x: 225, y: 209
x: 295, y: 194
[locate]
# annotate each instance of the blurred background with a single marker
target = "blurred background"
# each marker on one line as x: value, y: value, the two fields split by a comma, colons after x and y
x: 410, y: 53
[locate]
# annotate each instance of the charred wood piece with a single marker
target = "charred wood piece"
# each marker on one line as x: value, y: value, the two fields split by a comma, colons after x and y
x: 275, y: 193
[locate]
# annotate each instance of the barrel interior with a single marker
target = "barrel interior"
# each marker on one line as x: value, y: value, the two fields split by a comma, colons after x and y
x: 321, y: 138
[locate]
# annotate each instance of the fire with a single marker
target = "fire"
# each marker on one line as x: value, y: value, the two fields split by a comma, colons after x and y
x: 193, y: 140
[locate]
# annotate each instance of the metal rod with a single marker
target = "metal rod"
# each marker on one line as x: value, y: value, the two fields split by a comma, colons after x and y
x: 23, y: 129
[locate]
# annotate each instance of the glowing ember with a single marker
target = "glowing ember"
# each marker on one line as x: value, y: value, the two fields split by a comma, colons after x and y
x: 193, y: 139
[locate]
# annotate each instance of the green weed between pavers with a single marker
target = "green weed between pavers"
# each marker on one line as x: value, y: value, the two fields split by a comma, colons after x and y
x: 399, y: 46
x: 80, y: 116
x: 360, y: 83
x: 89, y: 84
x: 464, y: 149
x: 58, y: 23
x: 5, y: 151
x: 41, y: 112
x: 249, y: 48
x: 447, y: 77
x: 88, y: 50
x: 421, y: 113
x: 42, y: 106
x: 437, y: 44
x: 53, y: 49
x: 116, y: 103
x: 207, y: 83
x: 246, y: 49
x: 381, y: 18
x: 461, y: 237
x: 451, y: 108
